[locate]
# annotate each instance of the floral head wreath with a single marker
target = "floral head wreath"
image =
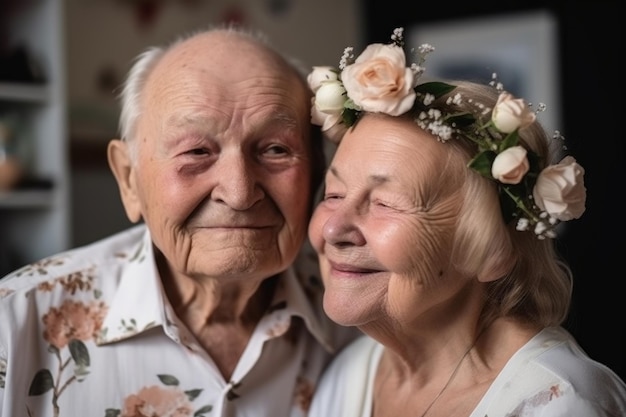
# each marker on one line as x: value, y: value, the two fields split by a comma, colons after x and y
x: 379, y: 81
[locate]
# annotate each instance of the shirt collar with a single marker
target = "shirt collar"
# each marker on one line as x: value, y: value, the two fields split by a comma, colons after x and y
x: 306, y: 304
x: 137, y: 305
x: 140, y: 303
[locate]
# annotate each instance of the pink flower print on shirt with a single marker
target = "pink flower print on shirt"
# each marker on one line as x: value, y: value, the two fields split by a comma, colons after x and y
x: 73, y: 321
x: 304, y: 393
x: 72, y: 283
x: 156, y: 401
x: 68, y: 326
x: 538, y: 400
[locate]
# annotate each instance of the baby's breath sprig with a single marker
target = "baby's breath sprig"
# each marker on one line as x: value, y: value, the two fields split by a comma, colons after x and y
x: 397, y: 37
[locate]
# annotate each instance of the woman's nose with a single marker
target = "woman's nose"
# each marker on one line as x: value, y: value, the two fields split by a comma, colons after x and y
x: 341, y: 228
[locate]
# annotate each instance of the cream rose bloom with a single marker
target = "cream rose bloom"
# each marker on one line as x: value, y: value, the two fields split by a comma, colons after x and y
x: 321, y: 74
x: 510, y: 165
x: 327, y: 109
x: 331, y: 124
x: 330, y: 97
x: 379, y: 81
x: 511, y: 113
x: 560, y: 190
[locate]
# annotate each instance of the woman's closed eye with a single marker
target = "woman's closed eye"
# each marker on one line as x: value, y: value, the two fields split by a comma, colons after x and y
x: 332, y: 196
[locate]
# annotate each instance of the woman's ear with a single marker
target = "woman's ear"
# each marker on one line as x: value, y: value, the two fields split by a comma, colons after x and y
x: 122, y: 167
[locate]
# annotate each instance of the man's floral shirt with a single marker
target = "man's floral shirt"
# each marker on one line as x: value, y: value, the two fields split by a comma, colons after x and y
x: 90, y: 333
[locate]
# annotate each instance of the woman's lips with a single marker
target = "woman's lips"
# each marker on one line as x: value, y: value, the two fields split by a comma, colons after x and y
x: 345, y: 268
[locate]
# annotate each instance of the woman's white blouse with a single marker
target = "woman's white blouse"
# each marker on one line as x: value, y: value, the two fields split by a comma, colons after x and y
x: 550, y: 376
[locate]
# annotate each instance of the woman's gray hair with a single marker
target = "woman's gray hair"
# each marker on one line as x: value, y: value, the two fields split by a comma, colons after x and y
x: 537, y: 283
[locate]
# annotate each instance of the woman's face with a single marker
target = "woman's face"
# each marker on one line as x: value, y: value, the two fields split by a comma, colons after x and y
x: 384, y: 229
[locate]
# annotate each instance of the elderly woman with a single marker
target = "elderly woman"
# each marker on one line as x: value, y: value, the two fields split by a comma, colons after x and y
x: 435, y: 237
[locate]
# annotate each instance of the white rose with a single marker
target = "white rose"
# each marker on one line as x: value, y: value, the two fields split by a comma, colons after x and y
x: 510, y: 165
x: 511, y: 113
x: 326, y: 120
x: 334, y: 129
x: 331, y: 123
x: 560, y: 190
x: 330, y: 97
x: 317, y: 117
x: 379, y: 80
x: 320, y: 74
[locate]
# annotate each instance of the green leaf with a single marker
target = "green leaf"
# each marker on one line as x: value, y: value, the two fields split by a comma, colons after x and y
x: 193, y: 394
x: 202, y: 411
x: 81, y: 372
x: 349, y: 116
x: 534, y: 161
x: 436, y: 88
x: 508, y: 206
x: 482, y: 163
x: 111, y: 412
x: 510, y: 140
x: 350, y: 104
x: 513, y: 200
x: 42, y: 382
x: 461, y: 120
x: 168, y: 379
x: 79, y: 353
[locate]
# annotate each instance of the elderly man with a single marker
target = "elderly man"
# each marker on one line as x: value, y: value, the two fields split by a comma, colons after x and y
x: 199, y: 309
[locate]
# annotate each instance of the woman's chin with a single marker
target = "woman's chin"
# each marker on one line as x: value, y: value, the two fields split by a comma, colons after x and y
x: 342, y: 311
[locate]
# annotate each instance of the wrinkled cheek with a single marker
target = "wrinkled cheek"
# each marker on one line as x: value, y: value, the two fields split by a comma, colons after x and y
x: 315, y: 230
x: 168, y: 221
x: 426, y: 254
x: 295, y: 206
x: 293, y: 234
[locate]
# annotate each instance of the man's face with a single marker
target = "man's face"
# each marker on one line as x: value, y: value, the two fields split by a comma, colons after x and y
x: 223, y: 166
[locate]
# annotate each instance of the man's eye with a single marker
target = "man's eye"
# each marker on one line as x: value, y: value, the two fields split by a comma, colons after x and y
x: 276, y: 150
x: 198, y: 151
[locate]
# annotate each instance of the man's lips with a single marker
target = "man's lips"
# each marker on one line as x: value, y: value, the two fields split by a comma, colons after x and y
x: 240, y: 223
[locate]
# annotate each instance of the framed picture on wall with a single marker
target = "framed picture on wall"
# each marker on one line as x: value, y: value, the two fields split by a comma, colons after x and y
x: 522, y: 49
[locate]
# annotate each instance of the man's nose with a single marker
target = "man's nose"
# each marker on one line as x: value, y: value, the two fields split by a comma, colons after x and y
x: 237, y: 181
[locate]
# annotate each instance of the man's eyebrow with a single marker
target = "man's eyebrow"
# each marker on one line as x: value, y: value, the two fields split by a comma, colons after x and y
x: 176, y: 120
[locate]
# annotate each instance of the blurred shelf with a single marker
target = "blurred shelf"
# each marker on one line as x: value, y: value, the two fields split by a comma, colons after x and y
x: 24, y: 92
x: 35, y: 214
x: 26, y: 199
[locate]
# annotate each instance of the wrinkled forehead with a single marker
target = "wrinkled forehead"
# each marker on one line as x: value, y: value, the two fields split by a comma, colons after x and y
x: 216, y: 69
x: 398, y: 149
x: 226, y: 56
x: 398, y: 139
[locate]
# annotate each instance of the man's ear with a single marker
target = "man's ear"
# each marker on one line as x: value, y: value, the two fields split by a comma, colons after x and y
x: 123, y: 170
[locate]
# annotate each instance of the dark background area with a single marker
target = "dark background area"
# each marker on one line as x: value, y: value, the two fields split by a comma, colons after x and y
x: 590, y: 42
